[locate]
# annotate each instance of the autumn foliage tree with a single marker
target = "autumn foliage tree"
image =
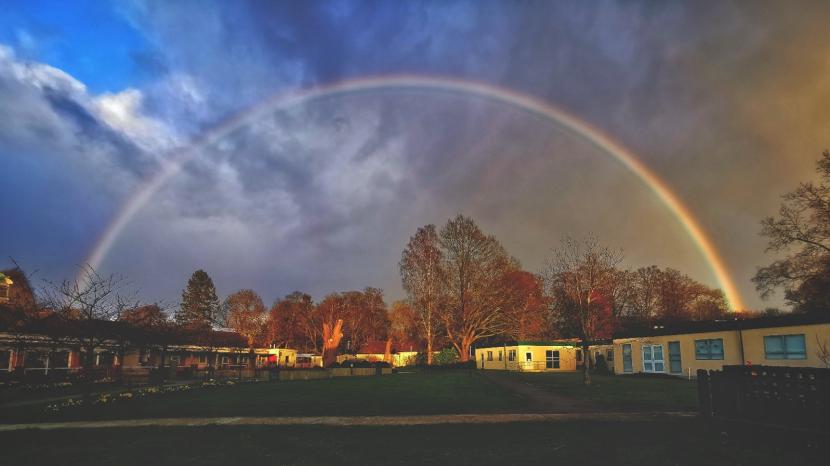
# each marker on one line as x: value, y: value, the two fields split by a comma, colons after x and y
x: 526, y: 307
x: 293, y: 323
x: 246, y: 315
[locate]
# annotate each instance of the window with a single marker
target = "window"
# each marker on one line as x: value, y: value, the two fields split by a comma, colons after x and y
x: 511, y: 355
x: 202, y: 359
x: 500, y: 355
x: 709, y: 349
x: 528, y: 357
x: 785, y: 347
x: 551, y: 359
x: 609, y: 355
x: 578, y: 355
x: 5, y: 360
x: 58, y: 359
x: 489, y: 355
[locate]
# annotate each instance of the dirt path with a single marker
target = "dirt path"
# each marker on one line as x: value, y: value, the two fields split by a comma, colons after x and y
x: 344, y: 420
x: 540, y: 400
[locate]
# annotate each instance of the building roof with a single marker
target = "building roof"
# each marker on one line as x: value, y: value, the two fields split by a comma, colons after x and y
x: 680, y: 328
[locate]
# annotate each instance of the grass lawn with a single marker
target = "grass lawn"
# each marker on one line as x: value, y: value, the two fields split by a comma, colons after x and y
x: 623, y: 392
x: 438, y: 392
x: 665, y: 442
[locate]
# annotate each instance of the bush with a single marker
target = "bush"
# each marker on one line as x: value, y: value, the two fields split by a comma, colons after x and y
x: 446, y: 356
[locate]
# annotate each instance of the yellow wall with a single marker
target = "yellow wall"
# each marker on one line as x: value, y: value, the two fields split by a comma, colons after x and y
x: 753, y: 346
x: 567, y: 358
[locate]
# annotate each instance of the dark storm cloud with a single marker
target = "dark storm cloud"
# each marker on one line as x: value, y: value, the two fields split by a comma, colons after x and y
x: 722, y: 99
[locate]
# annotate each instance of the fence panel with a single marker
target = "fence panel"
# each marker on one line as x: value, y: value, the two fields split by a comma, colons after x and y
x: 795, y: 397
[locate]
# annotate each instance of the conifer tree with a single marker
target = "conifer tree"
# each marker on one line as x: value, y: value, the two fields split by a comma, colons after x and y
x: 200, y: 305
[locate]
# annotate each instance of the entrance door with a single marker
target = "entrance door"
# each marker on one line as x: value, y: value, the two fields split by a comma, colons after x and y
x: 627, y: 364
x: 653, y: 358
x: 551, y: 359
x: 675, y: 366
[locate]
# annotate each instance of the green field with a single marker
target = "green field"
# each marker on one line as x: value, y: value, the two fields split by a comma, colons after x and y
x: 438, y: 392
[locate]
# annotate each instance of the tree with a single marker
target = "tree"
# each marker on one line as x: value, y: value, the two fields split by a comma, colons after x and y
x: 578, y: 276
x: 88, y: 306
x: 526, y: 306
x: 424, y: 281
x: 144, y: 316
x: 474, y: 264
x: 802, y: 232
x: 293, y: 323
x: 200, y: 305
x: 246, y: 315
x: 403, y: 324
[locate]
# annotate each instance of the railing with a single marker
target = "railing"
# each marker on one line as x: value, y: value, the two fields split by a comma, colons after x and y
x: 795, y: 397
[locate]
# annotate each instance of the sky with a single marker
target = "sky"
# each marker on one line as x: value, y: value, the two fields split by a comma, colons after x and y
x: 725, y: 101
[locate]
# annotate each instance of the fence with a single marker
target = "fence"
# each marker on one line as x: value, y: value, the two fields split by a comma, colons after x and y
x: 789, y: 396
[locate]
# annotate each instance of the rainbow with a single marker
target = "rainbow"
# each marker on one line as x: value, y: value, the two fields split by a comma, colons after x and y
x: 522, y: 101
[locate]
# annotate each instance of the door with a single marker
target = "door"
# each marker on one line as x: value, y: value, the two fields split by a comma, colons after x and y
x: 551, y: 359
x: 627, y: 363
x: 653, y: 358
x: 675, y: 365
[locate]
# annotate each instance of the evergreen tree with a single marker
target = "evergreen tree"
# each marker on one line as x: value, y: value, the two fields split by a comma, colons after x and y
x: 200, y: 305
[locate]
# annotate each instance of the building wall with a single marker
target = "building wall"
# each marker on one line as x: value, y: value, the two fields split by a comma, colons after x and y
x: 753, y: 348
x: 567, y: 358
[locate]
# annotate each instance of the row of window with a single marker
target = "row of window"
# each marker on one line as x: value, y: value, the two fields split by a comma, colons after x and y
x: 775, y: 347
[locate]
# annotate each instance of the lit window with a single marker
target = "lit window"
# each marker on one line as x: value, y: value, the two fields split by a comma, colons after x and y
x: 785, y: 347
x: 709, y: 349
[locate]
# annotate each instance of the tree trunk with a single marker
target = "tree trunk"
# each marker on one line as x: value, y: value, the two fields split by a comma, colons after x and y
x: 429, y: 352
x: 586, y: 367
x: 465, y: 351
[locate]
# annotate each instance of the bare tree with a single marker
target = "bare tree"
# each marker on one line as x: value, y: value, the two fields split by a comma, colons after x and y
x: 424, y: 281
x: 802, y: 231
x: 88, y: 305
x: 474, y: 264
x: 246, y: 314
x: 579, y: 275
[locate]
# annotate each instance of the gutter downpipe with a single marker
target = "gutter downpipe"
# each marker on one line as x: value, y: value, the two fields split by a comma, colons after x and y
x: 740, y: 341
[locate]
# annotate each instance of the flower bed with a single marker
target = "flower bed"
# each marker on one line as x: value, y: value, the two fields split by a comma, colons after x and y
x: 104, y: 399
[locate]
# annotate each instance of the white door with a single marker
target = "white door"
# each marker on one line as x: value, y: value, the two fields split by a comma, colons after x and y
x: 653, y: 358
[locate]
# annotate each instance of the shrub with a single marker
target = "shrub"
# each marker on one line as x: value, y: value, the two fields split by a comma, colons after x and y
x: 446, y: 356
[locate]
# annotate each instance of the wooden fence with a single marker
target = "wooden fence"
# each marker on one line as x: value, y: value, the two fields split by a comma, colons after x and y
x: 789, y: 396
